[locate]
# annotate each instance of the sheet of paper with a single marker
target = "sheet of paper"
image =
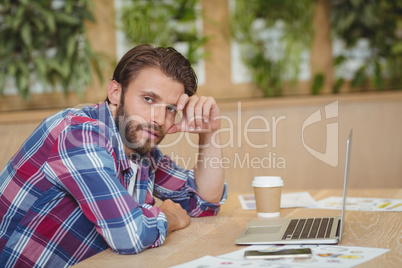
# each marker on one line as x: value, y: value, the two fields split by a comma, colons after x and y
x: 288, y: 200
x: 362, y: 204
x: 298, y: 199
x: 216, y: 262
x: 323, y: 255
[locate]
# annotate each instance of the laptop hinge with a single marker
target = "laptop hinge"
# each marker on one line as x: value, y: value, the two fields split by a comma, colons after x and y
x: 338, y: 228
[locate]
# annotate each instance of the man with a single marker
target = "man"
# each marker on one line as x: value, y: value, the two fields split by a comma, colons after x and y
x: 85, y: 178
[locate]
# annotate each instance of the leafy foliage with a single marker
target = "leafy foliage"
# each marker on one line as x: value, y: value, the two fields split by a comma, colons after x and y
x: 270, y: 62
x: 379, y: 22
x: 45, y: 40
x: 164, y: 23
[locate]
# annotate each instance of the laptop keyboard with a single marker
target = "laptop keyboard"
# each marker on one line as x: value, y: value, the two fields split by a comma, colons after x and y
x: 308, y: 228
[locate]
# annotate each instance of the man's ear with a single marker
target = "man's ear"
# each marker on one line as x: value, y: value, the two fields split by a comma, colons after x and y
x: 114, y: 93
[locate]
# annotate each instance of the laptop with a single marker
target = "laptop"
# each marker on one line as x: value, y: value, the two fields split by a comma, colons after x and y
x: 317, y: 230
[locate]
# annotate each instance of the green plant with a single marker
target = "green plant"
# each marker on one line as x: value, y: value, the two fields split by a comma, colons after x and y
x: 254, y: 24
x: 45, y: 40
x: 318, y: 83
x: 164, y: 23
x: 380, y: 23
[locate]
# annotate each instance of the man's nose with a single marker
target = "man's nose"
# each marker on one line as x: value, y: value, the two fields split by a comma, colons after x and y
x: 158, y: 114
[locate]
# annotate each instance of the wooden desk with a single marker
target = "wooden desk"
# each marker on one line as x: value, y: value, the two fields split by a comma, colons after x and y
x: 215, y: 235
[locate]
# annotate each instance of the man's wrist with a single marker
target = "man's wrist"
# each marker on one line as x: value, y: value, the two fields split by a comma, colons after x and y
x: 207, y: 137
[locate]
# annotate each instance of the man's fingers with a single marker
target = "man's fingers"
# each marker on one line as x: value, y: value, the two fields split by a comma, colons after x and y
x: 199, y: 114
x: 182, y: 102
x: 209, y: 102
x: 190, y: 113
x: 177, y: 217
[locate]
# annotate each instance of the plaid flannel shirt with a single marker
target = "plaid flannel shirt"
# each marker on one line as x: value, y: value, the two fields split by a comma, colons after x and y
x: 64, y: 198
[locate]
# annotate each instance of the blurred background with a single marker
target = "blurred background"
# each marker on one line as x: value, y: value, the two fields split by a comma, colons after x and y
x: 270, y: 64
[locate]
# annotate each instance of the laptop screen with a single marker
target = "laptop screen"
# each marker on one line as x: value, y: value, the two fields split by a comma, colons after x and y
x: 346, y: 180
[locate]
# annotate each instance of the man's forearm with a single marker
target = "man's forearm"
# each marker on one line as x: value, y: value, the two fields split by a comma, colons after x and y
x: 209, y: 172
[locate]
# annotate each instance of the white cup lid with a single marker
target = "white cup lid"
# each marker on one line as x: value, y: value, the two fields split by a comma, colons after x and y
x: 267, y: 181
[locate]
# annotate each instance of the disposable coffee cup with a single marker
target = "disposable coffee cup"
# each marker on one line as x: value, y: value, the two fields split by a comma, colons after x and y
x: 267, y: 191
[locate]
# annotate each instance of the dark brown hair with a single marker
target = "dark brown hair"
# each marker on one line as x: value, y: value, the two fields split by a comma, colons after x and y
x: 168, y: 60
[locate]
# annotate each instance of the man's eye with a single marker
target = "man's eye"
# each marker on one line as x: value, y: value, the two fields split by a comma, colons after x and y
x: 171, y: 109
x: 148, y: 99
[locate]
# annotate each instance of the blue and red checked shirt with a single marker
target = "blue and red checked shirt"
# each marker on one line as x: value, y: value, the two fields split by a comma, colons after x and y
x: 64, y: 198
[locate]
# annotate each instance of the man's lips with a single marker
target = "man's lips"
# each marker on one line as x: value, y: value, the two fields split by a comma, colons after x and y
x: 153, y: 135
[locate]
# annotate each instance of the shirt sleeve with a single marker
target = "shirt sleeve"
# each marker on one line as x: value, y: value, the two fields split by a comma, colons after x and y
x: 178, y: 184
x: 83, y: 162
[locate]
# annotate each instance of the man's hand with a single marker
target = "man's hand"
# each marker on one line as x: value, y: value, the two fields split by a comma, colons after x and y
x: 176, y: 216
x: 200, y: 115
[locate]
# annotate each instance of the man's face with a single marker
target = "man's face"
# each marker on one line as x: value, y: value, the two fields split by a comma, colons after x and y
x: 148, y: 111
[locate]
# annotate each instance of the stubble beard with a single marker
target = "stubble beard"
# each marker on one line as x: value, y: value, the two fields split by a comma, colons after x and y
x: 131, y: 132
